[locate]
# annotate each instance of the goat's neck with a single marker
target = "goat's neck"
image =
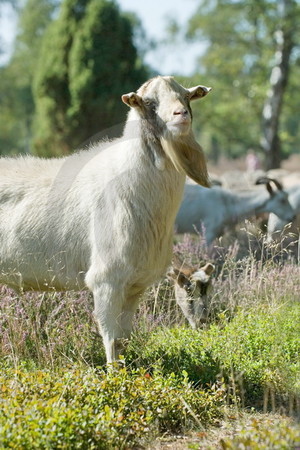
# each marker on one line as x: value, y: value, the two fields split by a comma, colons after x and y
x: 137, y: 128
x: 158, y: 177
x: 245, y: 204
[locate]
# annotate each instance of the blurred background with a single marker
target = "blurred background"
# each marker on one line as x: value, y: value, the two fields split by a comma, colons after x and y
x: 65, y: 63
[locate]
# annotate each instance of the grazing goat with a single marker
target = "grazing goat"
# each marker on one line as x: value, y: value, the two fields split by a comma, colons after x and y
x: 276, y: 224
x: 192, y: 286
x: 209, y: 211
x: 104, y: 218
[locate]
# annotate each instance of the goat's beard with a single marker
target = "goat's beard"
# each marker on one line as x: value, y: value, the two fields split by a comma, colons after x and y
x: 187, y: 157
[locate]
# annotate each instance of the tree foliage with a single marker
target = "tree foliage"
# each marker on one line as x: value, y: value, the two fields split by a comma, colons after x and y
x: 16, y: 98
x: 78, y: 56
x: 240, y: 45
x: 87, y: 62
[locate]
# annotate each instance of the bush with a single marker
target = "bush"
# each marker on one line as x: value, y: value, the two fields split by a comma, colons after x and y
x: 260, y: 348
x: 254, y: 352
x: 174, y: 350
x: 93, y: 409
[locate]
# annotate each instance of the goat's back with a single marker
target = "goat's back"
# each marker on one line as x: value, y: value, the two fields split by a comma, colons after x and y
x: 57, y: 215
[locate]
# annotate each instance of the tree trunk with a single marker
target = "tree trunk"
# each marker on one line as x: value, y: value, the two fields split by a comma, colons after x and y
x: 270, y: 140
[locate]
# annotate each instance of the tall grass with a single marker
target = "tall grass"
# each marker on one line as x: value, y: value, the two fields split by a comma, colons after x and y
x: 48, y: 329
x: 56, y: 329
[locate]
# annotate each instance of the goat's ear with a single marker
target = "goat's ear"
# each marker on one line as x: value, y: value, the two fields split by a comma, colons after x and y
x: 208, y: 268
x: 178, y: 277
x: 204, y: 273
x: 181, y: 266
x: 182, y: 280
x: 132, y: 99
x: 198, y: 92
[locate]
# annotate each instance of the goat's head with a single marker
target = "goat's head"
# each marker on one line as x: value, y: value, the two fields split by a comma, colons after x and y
x: 192, y: 288
x: 279, y: 202
x: 163, y: 106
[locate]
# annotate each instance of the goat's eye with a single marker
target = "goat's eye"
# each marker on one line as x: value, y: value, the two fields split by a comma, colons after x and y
x: 149, y: 103
x: 189, y: 287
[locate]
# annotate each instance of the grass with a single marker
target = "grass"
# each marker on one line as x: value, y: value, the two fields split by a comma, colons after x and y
x: 57, y: 393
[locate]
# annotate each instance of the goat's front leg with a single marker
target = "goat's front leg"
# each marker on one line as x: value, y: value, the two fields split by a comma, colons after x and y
x: 129, y: 309
x: 108, y: 305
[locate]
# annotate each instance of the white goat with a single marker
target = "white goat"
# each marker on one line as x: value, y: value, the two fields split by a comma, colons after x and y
x: 209, y: 211
x: 104, y: 218
x: 192, y: 287
x: 276, y: 224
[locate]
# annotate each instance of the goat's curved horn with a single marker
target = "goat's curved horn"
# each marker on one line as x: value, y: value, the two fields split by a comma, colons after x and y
x: 266, y: 180
x: 262, y: 180
x: 277, y: 183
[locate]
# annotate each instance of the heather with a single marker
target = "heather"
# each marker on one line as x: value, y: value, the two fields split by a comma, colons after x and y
x: 57, y: 393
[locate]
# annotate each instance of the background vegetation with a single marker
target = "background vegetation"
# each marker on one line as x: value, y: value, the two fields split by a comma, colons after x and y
x: 72, y: 61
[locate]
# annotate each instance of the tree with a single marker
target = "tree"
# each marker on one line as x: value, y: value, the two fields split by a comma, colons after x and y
x: 88, y: 61
x: 16, y: 99
x: 239, y: 61
x: 284, y: 41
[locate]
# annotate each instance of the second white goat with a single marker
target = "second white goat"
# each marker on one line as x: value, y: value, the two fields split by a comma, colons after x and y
x: 210, y: 211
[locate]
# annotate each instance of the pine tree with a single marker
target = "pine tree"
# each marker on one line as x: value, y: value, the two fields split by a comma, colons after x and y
x: 88, y: 61
x: 16, y: 98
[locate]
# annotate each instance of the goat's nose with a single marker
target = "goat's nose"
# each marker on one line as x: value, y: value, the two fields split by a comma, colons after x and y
x: 181, y: 112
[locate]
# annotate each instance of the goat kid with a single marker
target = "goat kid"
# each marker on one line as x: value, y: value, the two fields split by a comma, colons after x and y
x: 103, y: 218
x: 210, y: 211
x: 192, y: 287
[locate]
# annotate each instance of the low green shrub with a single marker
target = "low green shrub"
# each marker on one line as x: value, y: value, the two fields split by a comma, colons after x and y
x: 258, y: 349
x: 79, y: 408
x: 174, y: 350
x: 261, y: 346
